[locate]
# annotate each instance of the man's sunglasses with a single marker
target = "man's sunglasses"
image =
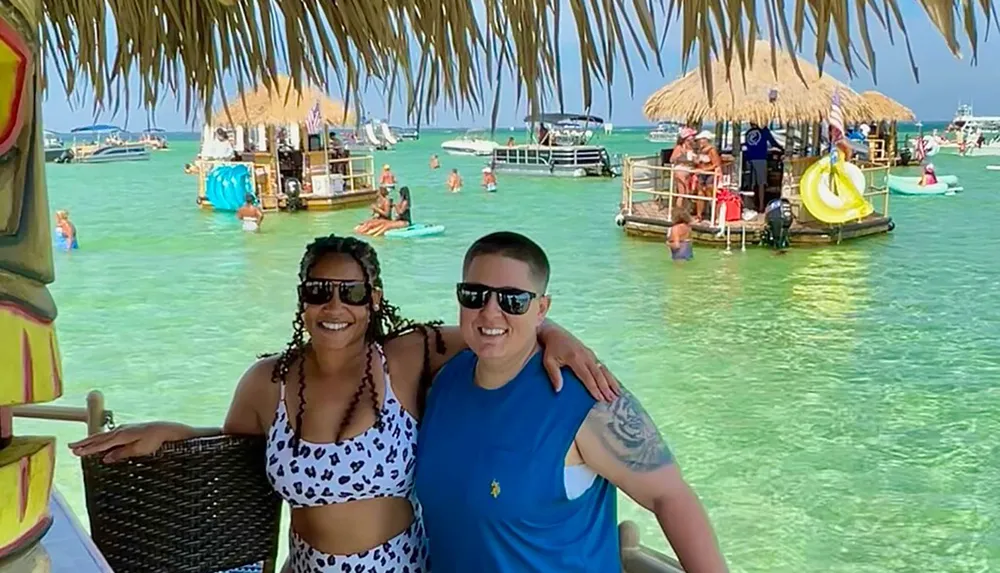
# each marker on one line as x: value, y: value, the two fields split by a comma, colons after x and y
x: 510, y: 300
x: 320, y: 291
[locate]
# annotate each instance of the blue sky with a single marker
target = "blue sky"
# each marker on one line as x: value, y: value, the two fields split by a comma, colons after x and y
x: 944, y: 82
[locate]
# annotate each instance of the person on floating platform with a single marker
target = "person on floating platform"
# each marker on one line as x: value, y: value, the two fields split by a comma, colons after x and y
x: 513, y: 477
x: 544, y: 135
x: 403, y: 216
x: 388, y: 178
x: 341, y: 434
x: 511, y: 142
x: 454, y: 181
x: 929, y: 176
x: 220, y: 148
x: 707, y: 159
x: 679, y: 236
x: 66, y: 238
x: 489, y: 180
x: 758, y: 141
x: 250, y: 215
x: 682, y: 163
x: 381, y: 212
x: 190, y: 169
x: 435, y: 163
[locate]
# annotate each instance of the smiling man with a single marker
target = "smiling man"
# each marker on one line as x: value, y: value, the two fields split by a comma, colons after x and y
x: 514, y: 477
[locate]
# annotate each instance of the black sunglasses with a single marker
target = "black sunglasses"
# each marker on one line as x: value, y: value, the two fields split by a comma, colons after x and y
x: 320, y: 291
x: 511, y: 300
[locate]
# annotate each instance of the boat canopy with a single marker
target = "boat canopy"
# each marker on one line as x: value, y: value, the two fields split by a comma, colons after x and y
x: 562, y: 117
x: 154, y: 130
x: 96, y: 128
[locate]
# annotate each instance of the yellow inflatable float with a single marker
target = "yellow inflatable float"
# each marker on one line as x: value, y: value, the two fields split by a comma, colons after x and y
x: 832, y: 193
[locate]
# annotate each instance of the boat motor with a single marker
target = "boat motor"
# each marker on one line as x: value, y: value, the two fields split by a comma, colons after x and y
x: 293, y: 191
x: 777, y: 223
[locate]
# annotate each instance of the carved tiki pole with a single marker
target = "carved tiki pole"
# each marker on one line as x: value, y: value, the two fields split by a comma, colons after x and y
x: 29, y: 355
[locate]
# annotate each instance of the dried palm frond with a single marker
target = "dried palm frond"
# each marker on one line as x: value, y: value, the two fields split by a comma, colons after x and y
x: 772, y: 87
x: 884, y: 108
x: 435, y: 50
x: 282, y: 104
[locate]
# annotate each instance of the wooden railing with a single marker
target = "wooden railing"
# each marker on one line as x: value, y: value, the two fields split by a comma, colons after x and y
x: 93, y: 415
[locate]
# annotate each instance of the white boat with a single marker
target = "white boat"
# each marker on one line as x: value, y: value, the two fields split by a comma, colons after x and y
x: 971, y: 127
x: 663, y: 133
x: 565, y: 150
x: 111, y: 149
x: 475, y: 142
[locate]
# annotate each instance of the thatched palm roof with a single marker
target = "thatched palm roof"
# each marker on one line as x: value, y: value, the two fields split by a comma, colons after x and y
x: 747, y: 95
x: 884, y: 108
x: 432, y: 50
x: 281, y: 104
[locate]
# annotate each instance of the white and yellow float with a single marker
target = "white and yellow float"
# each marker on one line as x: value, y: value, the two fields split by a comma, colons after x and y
x: 832, y: 191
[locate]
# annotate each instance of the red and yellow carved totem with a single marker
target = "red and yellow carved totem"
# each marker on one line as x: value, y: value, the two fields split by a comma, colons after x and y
x: 29, y: 355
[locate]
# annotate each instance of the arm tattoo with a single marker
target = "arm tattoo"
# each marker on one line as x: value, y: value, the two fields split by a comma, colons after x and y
x: 629, y: 434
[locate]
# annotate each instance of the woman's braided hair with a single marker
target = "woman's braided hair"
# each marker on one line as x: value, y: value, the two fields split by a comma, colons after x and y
x: 384, y: 324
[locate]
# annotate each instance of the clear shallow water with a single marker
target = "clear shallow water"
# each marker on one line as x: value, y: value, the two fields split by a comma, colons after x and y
x: 836, y: 409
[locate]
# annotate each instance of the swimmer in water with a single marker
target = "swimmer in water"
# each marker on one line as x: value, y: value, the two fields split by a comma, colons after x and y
x: 679, y: 236
x: 387, y: 179
x: 454, y: 181
x: 250, y: 215
x: 66, y: 231
x: 489, y: 180
x: 434, y: 162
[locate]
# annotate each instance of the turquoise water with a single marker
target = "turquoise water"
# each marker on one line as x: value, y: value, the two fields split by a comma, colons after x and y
x: 836, y: 409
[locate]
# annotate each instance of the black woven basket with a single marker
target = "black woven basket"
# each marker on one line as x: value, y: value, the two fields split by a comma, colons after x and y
x: 197, y: 506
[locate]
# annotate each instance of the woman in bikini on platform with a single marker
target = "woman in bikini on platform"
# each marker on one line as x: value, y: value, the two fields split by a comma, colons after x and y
x: 340, y: 410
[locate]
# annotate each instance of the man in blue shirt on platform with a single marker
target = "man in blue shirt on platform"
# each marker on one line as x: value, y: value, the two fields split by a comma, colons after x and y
x: 513, y: 477
x: 755, y: 146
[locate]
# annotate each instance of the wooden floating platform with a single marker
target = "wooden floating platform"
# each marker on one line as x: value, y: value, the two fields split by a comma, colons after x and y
x: 347, y: 200
x: 649, y: 219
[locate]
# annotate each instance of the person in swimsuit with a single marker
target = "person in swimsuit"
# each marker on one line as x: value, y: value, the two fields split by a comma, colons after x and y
x: 435, y: 163
x: 709, y: 164
x: 679, y: 236
x: 388, y: 178
x: 929, y: 176
x: 454, y: 181
x: 65, y: 232
x: 682, y: 162
x: 341, y: 433
x: 403, y: 217
x: 381, y: 212
x: 250, y: 215
x: 489, y: 180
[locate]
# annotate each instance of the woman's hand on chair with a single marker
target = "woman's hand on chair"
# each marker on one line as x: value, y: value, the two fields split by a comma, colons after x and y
x: 131, y: 441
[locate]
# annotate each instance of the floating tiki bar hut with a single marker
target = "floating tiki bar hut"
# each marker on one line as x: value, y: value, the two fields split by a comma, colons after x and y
x: 883, y: 139
x: 278, y: 160
x: 770, y: 92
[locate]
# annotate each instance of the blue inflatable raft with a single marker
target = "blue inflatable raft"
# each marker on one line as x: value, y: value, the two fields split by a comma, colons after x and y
x: 415, y: 230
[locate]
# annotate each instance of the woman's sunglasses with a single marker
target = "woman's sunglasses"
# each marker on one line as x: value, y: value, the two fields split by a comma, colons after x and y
x: 510, y: 300
x: 320, y: 291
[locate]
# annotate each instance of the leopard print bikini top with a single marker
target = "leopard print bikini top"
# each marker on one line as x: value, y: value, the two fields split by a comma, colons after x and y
x: 376, y: 463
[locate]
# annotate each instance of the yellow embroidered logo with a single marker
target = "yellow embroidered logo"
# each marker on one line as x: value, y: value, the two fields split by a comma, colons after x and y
x: 495, y: 489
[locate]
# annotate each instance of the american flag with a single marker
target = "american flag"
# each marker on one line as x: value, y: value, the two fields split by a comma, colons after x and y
x: 314, y: 121
x: 836, y: 119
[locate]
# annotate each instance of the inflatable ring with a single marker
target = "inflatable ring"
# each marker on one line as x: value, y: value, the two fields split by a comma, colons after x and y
x: 832, y: 193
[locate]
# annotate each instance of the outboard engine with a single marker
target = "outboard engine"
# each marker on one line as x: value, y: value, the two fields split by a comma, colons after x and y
x: 293, y: 191
x: 777, y: 223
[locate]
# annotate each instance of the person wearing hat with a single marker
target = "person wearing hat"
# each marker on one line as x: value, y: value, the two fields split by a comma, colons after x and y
x: 929, y: 176
x: 387, y: 179
x: 682, y: 163
x: 708, y: 165
x: 489, y: 180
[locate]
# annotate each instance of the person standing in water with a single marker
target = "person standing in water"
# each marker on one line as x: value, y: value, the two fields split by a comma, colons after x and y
x: 454, y: 181
x: 66, y: 231
x: 434, y: 162
x: 679, y: 236
x: 250, y: 215
x: 387, y: 179
x: 489, y: 180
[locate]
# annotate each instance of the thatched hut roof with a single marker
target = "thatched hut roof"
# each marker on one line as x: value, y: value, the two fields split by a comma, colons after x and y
x: 280, y: 104
x: 884, y: 108
x: 192, y: 48
x: 746, y: 96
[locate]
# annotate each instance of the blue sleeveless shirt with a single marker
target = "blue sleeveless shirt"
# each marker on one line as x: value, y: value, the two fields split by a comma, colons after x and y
x: 490, y: 477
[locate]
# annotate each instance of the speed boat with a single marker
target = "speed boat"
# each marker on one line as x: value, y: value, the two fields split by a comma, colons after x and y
x: 474, y: 142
